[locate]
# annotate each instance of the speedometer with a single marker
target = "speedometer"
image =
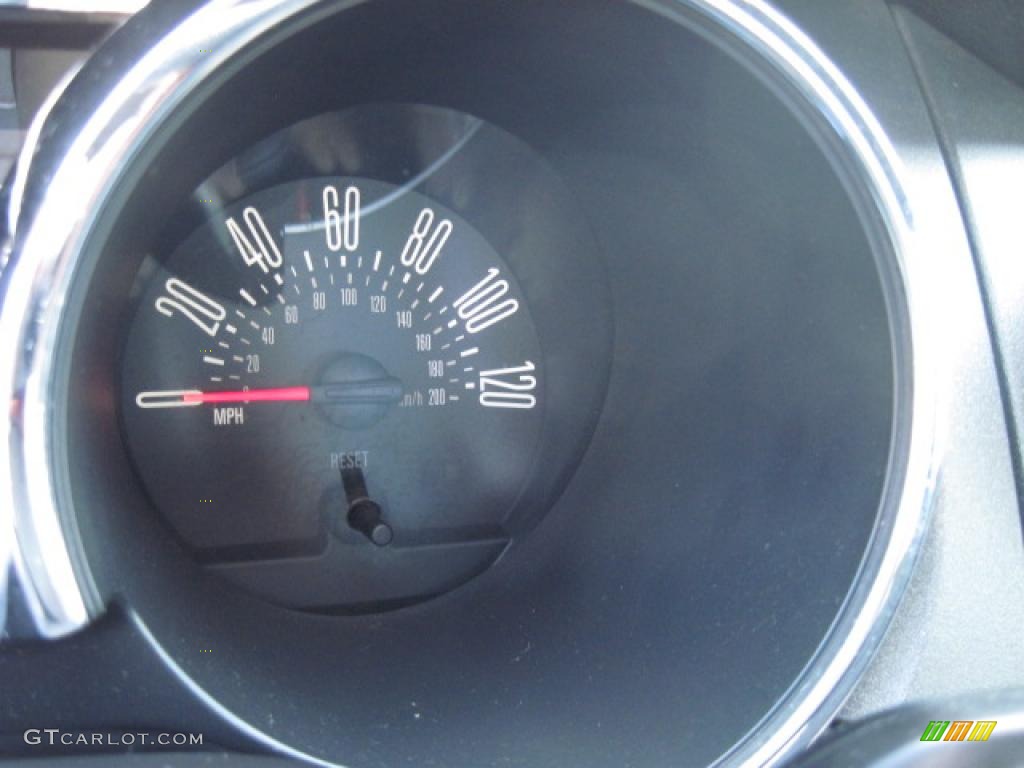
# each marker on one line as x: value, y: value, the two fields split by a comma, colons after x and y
x: 465, y: 383
x: 342, y: 370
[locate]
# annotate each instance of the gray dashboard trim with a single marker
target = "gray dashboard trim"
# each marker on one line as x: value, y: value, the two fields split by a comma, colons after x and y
x: 979, y: 119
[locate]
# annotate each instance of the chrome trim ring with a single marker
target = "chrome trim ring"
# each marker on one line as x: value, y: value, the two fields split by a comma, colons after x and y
x: 39, y: 557
x: 49, y: 236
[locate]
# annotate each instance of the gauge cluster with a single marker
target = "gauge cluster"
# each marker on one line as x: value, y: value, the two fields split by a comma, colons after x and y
x: 334, y: 389
x: 467, y: 384
x: 445, y: 373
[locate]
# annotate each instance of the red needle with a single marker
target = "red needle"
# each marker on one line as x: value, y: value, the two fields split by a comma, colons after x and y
x: 277, y: 395
x: 383, y: 391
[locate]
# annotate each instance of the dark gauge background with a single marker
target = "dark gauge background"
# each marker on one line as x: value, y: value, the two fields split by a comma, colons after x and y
x: 260, y: 501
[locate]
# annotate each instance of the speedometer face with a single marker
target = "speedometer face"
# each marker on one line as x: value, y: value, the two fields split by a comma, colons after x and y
x: 369, y: 373
x: 353, y: 391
